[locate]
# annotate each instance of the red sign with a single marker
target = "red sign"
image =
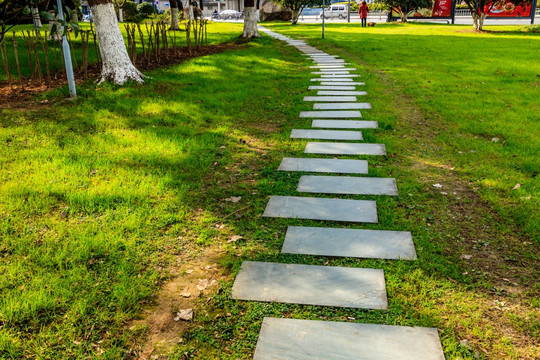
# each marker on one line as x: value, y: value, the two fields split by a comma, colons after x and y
x: 503, y: 8
x: 442, y: 8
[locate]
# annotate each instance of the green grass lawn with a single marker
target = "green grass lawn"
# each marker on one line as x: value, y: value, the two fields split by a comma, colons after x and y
x: 100, y: 197
x: 217, y: 33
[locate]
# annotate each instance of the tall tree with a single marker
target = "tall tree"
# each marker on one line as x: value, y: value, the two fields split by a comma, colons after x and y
x: 403, y: 7
x: 174, y: 15
x: 296, y: 6
x: 250, y: 20
x: 481, y: 8
x: 117, y: 66
x: 120, y: 5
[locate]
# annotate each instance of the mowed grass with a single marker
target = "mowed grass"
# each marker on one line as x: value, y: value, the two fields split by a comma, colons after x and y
x: 101, y: 196
x: 217, y: 33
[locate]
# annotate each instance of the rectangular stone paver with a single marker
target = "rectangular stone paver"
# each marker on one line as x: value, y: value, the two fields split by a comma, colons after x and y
x: 342, y: 166
x: 341, y: 83
x: 331, y: 98
x: 296, y: 207
x: 344, y: 124
x: 328, y: 61
x: 330, y: 114
x: 330, y: 148
x: 335, y: 72
x: 311, y: 285
x: 326, y: 134
x: 294, y: 339
x: 331, y: 87
x: 342, y: 106
x: 341, y: 93
x: 347, y: 185
x: 359, y: 243
x: 332, y: 80
x: 323, y: 66
x: 331, y: 71
x: 340, y: 76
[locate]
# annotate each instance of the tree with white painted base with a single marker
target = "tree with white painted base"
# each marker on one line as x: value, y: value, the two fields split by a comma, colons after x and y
x: 174, y: 15
x: 250, y: 20
x: 117, y: 66
x: 120, y: 5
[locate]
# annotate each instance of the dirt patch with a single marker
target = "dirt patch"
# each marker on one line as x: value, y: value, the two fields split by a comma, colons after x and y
x: 189, y: 282
x: 18, y: 94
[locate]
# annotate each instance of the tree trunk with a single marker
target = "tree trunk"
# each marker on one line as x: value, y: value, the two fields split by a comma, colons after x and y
x: 174, y: 15
x: 120, y: 15
x: 250, y: 21
x: 295, y: 16
x: 37, y: 18
x: 57, y: 35
x: 117, y: 66
x: 403, y: 16
x: 478, y: 20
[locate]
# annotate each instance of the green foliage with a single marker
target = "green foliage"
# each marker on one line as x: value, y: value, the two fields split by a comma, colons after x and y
x: 403, y: 7
x: 130, y: 11
x: 146, y: 9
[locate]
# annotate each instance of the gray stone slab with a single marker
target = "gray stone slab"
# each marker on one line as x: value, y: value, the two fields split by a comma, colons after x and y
x: 359, y: 243
x: 344, y: 148
x: 331, y: 98
x: 330, y: 114
x: 332, y: 80
x: 341, y: 93
x: 344, y: 124
x: 323, y: 66
x: 340, y: 76
x: 295, y: 207
x: 339, y: 83
x: 342, y: 166
x: 326, y: 134
x: 328, y: 61
x: 331, y: 70
x: 335, y: 72
x: 292, y: 339
x: 331, y: 87
x: 347, y: 185
x: 342, y: 106
x: 311, y: 285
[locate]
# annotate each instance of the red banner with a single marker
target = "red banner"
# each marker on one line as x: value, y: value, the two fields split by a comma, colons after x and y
x: 442, y: 8
x: 503, y: 8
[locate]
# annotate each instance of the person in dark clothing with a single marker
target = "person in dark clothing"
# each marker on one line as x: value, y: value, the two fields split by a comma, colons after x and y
x: 363, y: 11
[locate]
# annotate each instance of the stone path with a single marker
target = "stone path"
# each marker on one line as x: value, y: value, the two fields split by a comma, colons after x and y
x: 335, y: 106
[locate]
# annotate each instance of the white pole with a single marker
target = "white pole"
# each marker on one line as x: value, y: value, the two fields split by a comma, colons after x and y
x: 349, y: 12
x: 67, y: 55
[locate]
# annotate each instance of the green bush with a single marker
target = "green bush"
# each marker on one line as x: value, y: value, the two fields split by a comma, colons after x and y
x: 130, y: 11
x: 145, y: 9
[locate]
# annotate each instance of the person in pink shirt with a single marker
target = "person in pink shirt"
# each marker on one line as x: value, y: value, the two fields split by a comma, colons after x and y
x: 363, y: 11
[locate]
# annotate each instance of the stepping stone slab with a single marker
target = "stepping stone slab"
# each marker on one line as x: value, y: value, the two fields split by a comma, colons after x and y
x: 331, y: 98
x: 344, y: 124
x: 323, y: 66
x: 330, y: 80
x: 328, y: 61
x: 339, y: 83
x: 326, y: 134
x: 342, y: 166
x: 294, y: 339
x: 374, y: 244
x: 311, y: 285
x: 331, y: 70
x: 342, y: 106
x: 347, y: 185
x: 341, y: 93
x: 340, y: 76
x: 344, y: 148
x: 344, y: 72
x: 331, y: 87
x: 330, y: 114
x: 295, y: 207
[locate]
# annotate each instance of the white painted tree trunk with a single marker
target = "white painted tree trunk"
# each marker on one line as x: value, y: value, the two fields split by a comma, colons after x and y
x: 37, y: 19
x: 57, y: 35
x: 174, y: 19
x: 117, y: 66
x: 250, y: 23
x: 120, y: 15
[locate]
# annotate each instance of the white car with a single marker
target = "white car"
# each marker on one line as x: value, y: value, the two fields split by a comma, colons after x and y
x: 339, y: 11
x: 229, y: 14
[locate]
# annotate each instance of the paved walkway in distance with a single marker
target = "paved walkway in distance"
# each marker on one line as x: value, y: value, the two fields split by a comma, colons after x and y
x: 336, y: 104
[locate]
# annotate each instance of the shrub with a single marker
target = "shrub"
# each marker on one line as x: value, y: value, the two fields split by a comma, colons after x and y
x: 130, y: 11
x: 145, y: 9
